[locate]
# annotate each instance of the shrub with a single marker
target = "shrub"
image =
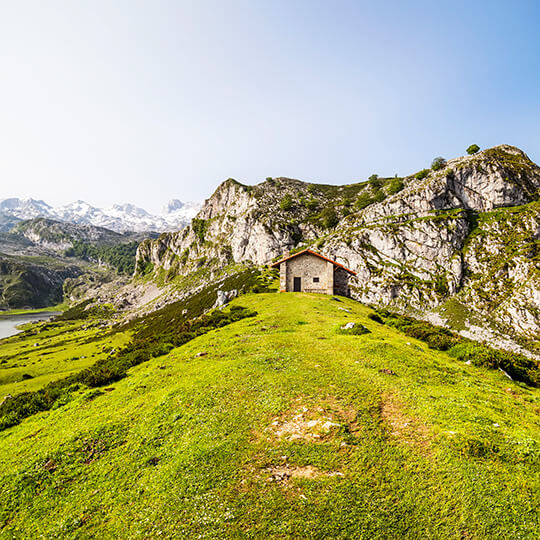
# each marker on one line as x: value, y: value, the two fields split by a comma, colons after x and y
x: 286, y: 203
x: 473, y: 149
x: 375, y: 182
x: 438, y: 163
x: 376, y: 317
x: 329, y: 217
x: 396, y: 185
x: 312, y: 204
x: 199, y: 227
x: 363, y: 200
x: 519, y: 367
x: 420, y: 175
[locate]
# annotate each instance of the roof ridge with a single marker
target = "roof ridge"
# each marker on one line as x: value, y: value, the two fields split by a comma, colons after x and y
x: 308, y: 250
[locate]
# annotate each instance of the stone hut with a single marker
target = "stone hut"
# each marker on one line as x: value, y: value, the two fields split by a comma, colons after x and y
x: 311, y: 272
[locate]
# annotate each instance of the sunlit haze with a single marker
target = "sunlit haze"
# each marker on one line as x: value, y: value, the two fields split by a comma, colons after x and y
x: 144, y: 101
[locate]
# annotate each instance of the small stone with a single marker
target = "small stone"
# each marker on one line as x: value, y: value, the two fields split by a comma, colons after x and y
x: 348, y: 326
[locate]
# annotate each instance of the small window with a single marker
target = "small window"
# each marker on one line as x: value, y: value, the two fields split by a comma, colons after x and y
x: 315, y: 280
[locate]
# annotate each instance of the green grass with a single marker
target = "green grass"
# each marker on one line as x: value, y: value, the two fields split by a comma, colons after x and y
x: 10, y: 312
x: 223, y: 437
x: 50, y: 351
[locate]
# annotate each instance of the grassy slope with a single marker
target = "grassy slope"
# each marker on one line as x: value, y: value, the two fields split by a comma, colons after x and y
x: 233, y: 443
x: 52, y: 353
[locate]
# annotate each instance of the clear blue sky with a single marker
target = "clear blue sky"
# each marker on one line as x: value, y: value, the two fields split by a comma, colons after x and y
x: 142, y: 101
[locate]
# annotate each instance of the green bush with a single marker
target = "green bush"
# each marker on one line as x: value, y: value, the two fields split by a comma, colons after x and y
x: 329, y: 217
x: 363, y: 200
x: 375, y: 182
x: 420, y: 175
x: 473, y: 149
x: 376, y: 317
x: 199, y: 227
x: 438, y: 163
x: 286, y: 203
x: 395, y: 186
x: 519, y: 367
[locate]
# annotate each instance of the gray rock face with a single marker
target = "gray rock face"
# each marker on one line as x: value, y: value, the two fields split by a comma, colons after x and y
x: 224, y: 297
x: 456, y: 234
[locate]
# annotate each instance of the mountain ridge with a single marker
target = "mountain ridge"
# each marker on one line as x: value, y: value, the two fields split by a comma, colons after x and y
x: 419, y: 244
x: 119, y: 218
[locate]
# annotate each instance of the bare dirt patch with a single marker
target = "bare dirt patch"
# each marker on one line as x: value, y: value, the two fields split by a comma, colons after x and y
x: 283, y: 473
x: 402, y: 427
x: 312, y: 422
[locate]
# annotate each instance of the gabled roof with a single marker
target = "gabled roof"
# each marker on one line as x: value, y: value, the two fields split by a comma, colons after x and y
x: 316, y: 255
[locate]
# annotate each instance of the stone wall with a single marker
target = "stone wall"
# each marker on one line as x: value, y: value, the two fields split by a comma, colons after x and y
x: 308, y: 267
x: 341, y: 281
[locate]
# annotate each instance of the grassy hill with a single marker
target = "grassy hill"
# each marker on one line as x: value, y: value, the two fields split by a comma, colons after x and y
x: 280, y: 426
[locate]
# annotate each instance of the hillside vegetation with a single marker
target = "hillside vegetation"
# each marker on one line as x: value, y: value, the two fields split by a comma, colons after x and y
x: 280, y: 425
x: 457, y: 243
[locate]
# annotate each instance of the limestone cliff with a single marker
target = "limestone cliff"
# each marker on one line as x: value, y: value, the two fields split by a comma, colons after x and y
x: 466, y: 234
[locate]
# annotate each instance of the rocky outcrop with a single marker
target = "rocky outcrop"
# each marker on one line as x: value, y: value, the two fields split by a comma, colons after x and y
x: 467, y: 231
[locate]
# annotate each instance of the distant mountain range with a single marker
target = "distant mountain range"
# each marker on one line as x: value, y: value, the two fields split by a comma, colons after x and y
x: 120, y: 217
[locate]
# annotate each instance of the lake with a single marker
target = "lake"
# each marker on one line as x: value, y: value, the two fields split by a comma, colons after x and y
x: 9, y: 323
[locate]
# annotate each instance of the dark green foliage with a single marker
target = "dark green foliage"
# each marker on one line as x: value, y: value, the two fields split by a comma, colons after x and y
x: 375, y: 182
x: 440, y: 285
x: 363, y: 200
x: 312, y: 204
x: 473, y: 149
x: 329, y: 217
x: 395, y: 186
x: 120, y: 256
x: 165, y: 330
x: 519, y: 367
x: 420, y: 175
x: 199, y: 227
x: 438, y: 163
x: 286, y: 203
x: 376, y: 317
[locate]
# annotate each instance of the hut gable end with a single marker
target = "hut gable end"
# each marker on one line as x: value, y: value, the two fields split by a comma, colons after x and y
x: 311, y: 272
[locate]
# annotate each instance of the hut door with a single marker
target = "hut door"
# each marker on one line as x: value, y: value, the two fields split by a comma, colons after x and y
x: 297, y: 285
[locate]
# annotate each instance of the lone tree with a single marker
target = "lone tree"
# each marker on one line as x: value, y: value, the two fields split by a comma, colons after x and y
x: 438, y: 163
x: 473, y: 149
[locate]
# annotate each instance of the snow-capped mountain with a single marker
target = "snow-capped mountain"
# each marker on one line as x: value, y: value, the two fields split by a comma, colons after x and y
x: 120, y: 218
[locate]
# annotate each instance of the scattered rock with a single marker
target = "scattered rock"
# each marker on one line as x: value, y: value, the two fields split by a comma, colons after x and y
x: 224, y: 297
x: 348, y: 326
x: 387, y: 371
x: 282, y: 474
x: 199, y: 354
